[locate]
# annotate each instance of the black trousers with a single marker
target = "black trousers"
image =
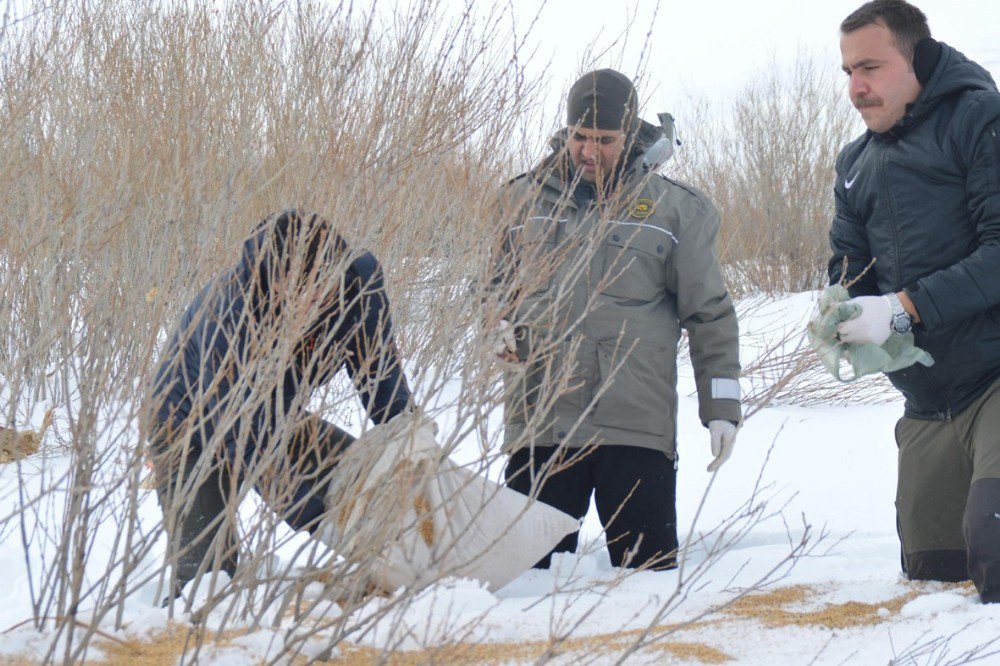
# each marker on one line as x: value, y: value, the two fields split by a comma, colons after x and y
x: 634, y: 489
x: 197, y: 490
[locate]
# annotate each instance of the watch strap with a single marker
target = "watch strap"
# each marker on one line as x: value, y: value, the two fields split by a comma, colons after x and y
x: 902, y: 321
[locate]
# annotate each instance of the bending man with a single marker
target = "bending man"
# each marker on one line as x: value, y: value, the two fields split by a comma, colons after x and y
x: 228, y: 404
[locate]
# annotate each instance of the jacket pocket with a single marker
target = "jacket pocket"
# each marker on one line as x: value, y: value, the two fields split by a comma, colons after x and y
x: 635, y: 261
x: 549, y: 376
x: 637, y: 387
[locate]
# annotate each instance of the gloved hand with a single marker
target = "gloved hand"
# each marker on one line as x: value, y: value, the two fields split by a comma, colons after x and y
x: 835, y: 309
x: 723, y: 434
x: 873, y: 325
x: 504, y: 341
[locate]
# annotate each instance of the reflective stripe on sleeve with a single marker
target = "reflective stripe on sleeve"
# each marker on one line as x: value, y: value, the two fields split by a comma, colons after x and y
x: 725, y: 389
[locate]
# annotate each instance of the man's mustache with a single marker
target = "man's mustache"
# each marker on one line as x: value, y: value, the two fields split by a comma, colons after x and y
x: 866, y: 102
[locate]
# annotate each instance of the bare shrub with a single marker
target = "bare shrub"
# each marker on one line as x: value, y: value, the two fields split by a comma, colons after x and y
x: 779, y: 366
x: 767, y: 161
x: 139, y: 145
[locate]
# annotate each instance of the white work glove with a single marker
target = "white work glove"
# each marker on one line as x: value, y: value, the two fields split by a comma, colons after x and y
x: 723, y: 434
x: 504, y: 340
x: 873, y: 325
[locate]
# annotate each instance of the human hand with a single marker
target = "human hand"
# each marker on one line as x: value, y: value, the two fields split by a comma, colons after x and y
x: 723, y: 435
x: 505, y: 341
x: 872, y: 325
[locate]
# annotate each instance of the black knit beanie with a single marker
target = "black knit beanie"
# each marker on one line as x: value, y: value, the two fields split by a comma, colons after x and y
x: 604, y: 100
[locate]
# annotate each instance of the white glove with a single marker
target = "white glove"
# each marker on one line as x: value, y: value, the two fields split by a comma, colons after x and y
x: 872, y: 325
x: 723, y: 434
x: 505, y: 341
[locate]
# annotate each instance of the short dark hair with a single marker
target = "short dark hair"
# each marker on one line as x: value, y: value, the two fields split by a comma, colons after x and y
x: 907, y: 24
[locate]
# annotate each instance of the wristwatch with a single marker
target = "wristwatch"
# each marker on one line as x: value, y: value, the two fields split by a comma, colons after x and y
x: 902, y: 321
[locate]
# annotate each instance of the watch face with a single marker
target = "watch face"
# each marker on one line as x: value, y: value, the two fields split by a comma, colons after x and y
x: 902, y: 323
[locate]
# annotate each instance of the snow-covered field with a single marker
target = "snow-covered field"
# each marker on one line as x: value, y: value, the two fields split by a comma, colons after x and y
x: 792, y: 558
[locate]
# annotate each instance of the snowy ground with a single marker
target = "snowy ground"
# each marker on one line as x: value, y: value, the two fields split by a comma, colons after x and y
x: 842, y: 601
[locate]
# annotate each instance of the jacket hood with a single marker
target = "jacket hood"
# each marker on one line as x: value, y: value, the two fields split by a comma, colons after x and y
x: 954, y: 74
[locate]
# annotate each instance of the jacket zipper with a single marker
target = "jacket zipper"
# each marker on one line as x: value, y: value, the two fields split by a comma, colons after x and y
x: 996, y: 142
x: 898, y: 278
x: 883, y: 158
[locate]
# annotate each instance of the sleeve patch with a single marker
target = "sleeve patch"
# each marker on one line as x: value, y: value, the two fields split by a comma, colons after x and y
x: 725, y: 389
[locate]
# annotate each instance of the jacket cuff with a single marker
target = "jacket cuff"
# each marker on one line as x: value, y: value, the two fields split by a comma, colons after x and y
x: 930, y: 316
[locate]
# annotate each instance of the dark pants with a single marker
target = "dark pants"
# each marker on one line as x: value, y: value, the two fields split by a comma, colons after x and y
x: 948, y: 496
x: 198, y: 493
x: 634, y: 489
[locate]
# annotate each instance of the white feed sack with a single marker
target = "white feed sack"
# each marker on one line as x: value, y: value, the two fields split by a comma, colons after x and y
x: 397, y: 496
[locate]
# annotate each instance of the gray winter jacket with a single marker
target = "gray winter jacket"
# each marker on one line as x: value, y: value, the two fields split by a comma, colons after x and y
x: 599, y: 295
x: 923, y: 199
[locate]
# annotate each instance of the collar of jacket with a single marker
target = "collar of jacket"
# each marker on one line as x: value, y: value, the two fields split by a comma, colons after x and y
x: 954, y: 74
x: 556, y: 171
x: 566, y: 186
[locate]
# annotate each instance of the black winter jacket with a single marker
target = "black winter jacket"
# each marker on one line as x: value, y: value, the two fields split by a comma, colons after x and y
x: 923, y: 200
x: 222, y: 354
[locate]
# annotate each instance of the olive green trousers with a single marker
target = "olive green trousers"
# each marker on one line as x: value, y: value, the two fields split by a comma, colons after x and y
x: 948, y: 496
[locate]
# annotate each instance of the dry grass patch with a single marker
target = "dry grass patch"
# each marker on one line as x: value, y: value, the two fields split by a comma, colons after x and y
x: 15, y: 445
x: 771, y: 608
x: 533, y: 651
x: 775, y: 609
x: 530, y: 652
x: 163, y: 649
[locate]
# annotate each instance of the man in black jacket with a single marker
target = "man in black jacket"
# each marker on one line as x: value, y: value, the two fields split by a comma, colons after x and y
x: 227, y: 408
x: 919, y: 193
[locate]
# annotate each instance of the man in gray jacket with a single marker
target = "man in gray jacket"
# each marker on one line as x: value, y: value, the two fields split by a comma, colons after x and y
x: 919, y: 193
x: 604, y: 262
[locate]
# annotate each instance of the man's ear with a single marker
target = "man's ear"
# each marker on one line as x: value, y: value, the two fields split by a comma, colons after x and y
x: 925, y: 58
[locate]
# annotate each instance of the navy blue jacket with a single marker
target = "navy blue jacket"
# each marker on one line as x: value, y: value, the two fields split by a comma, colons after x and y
x: 211, y: 364
x: 923, y: 200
